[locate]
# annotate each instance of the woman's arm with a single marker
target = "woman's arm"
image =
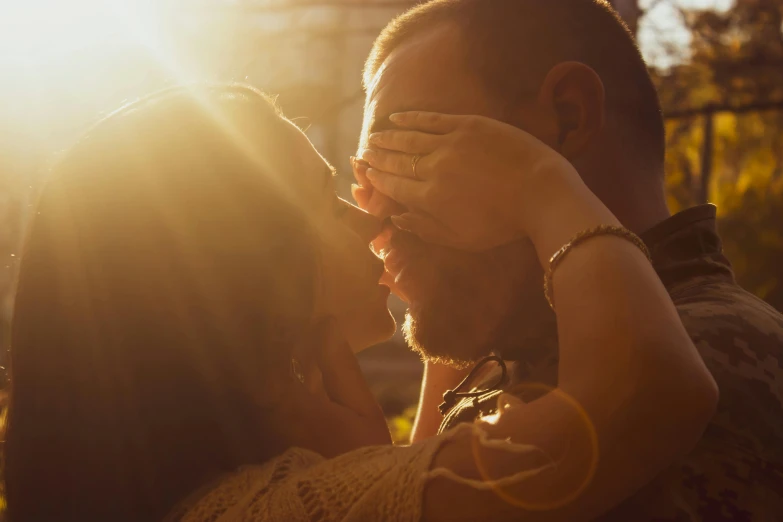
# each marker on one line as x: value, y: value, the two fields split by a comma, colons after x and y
x: 625, y: 358
x: 631, y: 385
x: 633, y: 394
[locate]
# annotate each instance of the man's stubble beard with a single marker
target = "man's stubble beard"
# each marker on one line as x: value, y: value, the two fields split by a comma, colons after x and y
x: 457, y: 328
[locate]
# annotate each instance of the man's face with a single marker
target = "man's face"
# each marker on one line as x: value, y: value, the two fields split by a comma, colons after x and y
x: 461, y: 304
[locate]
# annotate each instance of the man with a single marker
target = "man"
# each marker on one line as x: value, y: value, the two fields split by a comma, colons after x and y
x: 569, y: 73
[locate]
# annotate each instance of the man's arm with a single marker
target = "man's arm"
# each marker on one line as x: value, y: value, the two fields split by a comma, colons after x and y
x: 437, y: 379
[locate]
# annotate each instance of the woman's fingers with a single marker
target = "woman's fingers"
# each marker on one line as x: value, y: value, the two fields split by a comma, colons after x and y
x: 328, y: 406
x: 368, y: 199
x: 342, y: 377
x: 479, y: 183
x: 427, y: 228
x: 359, y: 168
x: 361, y: 195
x: 406, y: 191
x: 423, y: 226
x: 398, y: 163
x: 470, y: 183
x: 408, y: 141
x: 431, y: 122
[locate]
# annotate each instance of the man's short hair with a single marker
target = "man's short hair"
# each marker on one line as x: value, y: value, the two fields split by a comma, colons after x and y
x: 512, y: 44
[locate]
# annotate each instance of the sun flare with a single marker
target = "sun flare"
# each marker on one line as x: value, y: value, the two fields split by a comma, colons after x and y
x: 38, y: 30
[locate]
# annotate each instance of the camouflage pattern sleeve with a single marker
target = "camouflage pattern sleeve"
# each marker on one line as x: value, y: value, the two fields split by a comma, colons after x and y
x: 736, y: 471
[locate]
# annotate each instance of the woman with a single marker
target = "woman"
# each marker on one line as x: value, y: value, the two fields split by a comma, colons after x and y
x: 180, y: 253
x: 189, y: 297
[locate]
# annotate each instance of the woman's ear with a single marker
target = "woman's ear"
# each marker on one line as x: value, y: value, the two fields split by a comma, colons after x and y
x: 575, y: 94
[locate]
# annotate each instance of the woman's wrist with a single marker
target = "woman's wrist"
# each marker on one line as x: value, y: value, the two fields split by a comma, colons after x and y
x: 560, y: 206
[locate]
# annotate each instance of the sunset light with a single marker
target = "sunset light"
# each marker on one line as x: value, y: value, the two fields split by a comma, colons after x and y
x: 38, y: 30
x: 391, y: 260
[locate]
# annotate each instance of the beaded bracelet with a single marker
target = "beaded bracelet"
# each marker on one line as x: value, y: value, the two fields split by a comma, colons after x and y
x: 581, y: 237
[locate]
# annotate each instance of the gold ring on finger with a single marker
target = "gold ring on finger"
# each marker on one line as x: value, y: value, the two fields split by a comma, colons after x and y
x: 414, y: 161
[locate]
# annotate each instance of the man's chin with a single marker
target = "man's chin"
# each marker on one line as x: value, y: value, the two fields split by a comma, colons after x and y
x: 435, y: 341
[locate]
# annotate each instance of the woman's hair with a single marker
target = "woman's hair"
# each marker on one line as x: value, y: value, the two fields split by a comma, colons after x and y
x: 164, y: 275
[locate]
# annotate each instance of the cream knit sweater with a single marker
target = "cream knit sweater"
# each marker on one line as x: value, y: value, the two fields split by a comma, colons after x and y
x: 379, y: 483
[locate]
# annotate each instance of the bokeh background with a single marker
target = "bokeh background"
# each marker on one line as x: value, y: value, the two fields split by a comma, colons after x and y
x: 718, y: 65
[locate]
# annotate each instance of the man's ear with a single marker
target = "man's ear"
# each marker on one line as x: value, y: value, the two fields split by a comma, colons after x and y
x: 575, y: 94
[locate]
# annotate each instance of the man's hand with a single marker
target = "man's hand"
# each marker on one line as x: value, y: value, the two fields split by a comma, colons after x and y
x: 468, y: 182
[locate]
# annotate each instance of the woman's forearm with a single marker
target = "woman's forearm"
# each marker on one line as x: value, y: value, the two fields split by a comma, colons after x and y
x: 616, y: 321
x: 627, y: 370
x: 627, y: 361
x: 624, y: 354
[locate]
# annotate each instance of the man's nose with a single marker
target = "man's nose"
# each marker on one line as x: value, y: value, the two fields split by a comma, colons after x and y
x: 364, y: 224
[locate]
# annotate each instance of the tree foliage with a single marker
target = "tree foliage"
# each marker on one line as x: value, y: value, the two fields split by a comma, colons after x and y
x: 736, y: 61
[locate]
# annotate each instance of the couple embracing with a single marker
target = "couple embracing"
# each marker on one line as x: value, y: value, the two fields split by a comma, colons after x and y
x: 192, y: 293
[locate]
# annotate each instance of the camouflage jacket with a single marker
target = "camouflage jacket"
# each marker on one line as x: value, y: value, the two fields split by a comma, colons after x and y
x: 736, y: 471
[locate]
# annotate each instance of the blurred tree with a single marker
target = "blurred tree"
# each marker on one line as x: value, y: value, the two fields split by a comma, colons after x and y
x: 401, y: 426
x: 730, y: 149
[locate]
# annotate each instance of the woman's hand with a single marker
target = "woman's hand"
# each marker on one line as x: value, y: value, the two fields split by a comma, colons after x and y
x: 333, y: 411
x: 478, y: 182
x: 381, y: 206
x: 367, y: 198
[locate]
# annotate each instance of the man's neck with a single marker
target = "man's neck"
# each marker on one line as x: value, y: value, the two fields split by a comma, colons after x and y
x: 640, y: 220
x: 534, y: 354
x: 638, y: 206
x: 634, y: 192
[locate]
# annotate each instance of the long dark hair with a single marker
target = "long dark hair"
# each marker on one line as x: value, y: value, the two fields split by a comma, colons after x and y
x: 164, y: 274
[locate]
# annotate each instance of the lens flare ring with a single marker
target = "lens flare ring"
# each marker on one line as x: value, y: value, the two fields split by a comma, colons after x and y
x: 591, y: 433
